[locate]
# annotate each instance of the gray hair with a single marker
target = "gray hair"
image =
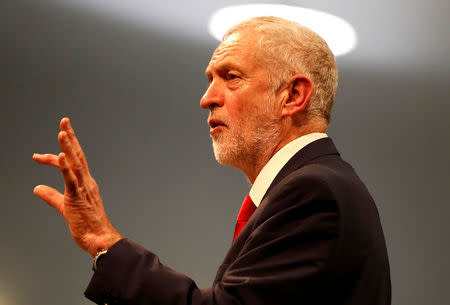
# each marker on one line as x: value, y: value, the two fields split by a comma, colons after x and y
x: 286, y: 48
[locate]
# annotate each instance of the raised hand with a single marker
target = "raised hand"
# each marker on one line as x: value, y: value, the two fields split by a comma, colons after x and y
x: 81, y: 204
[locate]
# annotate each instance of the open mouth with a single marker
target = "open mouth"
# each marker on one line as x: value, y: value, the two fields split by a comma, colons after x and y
x: 215, y: 125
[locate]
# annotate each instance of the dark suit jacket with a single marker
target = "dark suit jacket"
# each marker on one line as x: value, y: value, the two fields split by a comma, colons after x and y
x: 315, y: 238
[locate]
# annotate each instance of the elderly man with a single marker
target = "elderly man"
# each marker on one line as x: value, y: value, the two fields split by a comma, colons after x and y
x: 308, y: 233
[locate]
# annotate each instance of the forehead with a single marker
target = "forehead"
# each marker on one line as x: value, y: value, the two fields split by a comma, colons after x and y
x: 234, y: 43
x: 237, y: 49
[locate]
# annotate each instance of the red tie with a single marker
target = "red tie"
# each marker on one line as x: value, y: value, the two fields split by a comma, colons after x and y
x: 247, y: 209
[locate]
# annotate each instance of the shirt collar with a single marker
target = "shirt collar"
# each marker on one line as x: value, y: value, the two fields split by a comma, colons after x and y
x: 276, y: 163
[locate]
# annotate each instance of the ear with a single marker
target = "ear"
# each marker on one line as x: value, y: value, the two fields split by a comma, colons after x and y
x: 300, y: 90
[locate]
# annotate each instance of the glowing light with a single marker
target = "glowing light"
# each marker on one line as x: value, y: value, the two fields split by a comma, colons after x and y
x: 338, y: 33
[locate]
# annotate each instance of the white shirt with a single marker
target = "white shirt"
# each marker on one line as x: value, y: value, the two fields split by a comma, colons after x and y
x: 276, y: 163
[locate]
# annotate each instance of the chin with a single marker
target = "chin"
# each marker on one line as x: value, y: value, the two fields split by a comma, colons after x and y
x: 223, y: 154
x: 218, y: 152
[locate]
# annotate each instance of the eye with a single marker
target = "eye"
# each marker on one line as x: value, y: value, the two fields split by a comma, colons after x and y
x: 231, y: 76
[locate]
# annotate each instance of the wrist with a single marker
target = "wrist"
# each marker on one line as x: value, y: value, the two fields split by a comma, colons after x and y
x: 103, y: 244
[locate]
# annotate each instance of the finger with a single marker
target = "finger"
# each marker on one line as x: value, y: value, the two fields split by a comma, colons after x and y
x: 70, y: 180
x: 47, y: 159
x: 67, y: 127
x: 69, y: 154
x: 51, y: 196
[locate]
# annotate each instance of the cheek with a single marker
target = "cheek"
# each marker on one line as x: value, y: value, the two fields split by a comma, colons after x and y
x: 237, y: 107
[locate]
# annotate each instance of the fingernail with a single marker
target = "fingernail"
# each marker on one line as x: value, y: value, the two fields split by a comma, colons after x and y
x: 64, y: 119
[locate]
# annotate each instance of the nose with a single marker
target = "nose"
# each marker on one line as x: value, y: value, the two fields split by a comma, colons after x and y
x: 213, y: 97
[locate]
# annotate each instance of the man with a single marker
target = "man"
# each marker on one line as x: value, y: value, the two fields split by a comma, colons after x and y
x: 310, y: 232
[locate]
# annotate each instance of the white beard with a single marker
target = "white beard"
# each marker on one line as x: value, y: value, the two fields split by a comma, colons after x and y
x: 250, y: 143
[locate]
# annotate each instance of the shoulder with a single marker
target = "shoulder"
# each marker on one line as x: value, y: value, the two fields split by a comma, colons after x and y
x: 324, y: 186
x: 330, y: 186
x: 321, y: 179
x: 302, y: 199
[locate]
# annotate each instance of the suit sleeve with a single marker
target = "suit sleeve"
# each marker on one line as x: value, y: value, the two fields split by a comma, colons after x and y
x: 283, y: 258
x: 130, y: 274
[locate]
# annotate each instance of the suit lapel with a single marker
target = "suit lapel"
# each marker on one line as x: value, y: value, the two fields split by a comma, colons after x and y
x: 319, y: 148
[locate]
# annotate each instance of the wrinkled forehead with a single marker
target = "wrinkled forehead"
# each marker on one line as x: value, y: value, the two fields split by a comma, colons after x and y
x: 231, y: 44
x: 237, y: 45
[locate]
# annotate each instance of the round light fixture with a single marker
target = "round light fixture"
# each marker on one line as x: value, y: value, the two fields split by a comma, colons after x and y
x: 338, y: 33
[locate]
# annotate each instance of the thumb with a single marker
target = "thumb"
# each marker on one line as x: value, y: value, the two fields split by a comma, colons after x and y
x: 51, y: 196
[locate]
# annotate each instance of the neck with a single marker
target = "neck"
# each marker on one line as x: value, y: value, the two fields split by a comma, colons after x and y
x: 252, y: 169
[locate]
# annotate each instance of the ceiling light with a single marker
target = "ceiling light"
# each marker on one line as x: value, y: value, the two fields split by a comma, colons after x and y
x: 338, y: 33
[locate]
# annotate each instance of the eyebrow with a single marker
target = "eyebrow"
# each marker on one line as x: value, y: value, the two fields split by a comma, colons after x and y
x: 221, y: 67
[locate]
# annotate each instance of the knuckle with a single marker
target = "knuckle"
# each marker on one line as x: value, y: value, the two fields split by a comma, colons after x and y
x: 78, y: 167
x: 80, y: 155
